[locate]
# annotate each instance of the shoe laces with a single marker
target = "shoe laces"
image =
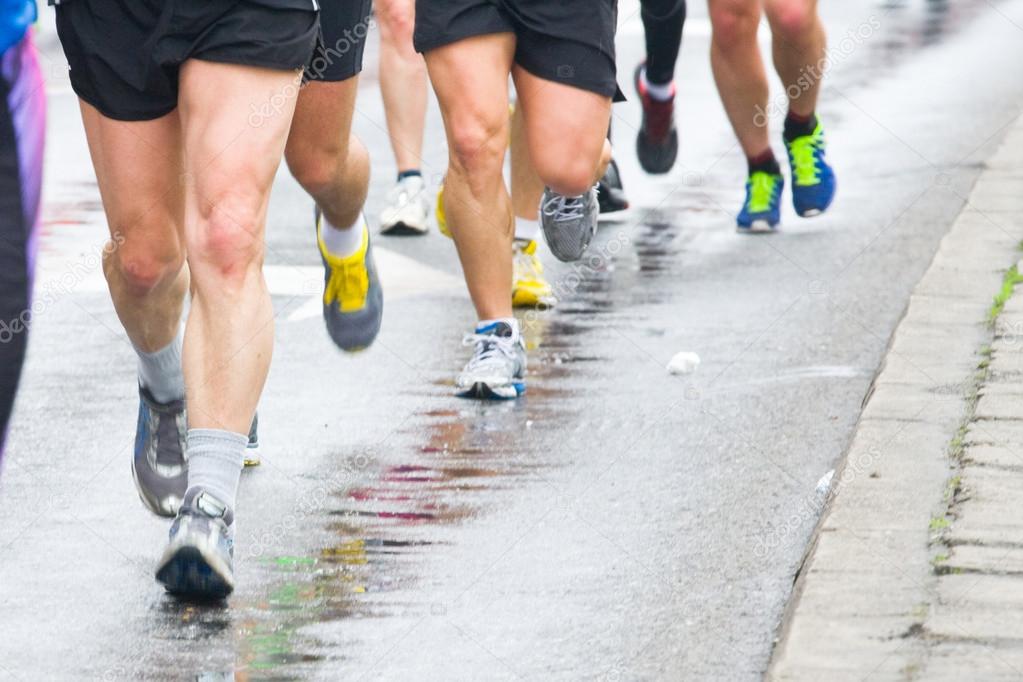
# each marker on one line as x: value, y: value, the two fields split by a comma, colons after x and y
x: 348, y: 282
x: 403, y: 192
x: 562, y: 208
x: 761, y: 191
x: 489, y: 349
x: 804, y: 159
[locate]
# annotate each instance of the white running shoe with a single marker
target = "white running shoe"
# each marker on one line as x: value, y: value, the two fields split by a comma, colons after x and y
x: 408, y: 208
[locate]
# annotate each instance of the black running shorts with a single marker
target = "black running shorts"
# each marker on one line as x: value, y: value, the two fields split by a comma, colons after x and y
x: 565, y: 41
x: 125, y: 55
x: 345, y: 25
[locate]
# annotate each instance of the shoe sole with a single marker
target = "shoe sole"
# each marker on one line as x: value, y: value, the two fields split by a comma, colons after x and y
x: 189, y: 574
x: 810, y: 213
x: 757, y: 227
x: 402, y: 229
x: 483, y: 391
x: 523, y: 298
x: 252, y: 455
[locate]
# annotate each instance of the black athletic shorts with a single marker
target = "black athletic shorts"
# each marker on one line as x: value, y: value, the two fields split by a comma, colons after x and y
x: 345, y: 25
x: 565, y: 41
x: 125, y: 55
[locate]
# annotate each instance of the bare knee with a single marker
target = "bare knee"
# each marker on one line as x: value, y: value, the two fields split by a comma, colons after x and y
x: 477, y: 148
x: 568, y: 174
x: 398, y: 20
x: 734, y: 23
x: 145, y: 256
x: 791, y: 20
x: 317, y: 166
x: 226, y: 244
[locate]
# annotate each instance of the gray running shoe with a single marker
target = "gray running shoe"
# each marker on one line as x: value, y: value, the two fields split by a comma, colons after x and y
x: 158, y: 466
x: 353, y: 300
x: 199, y: 560
x: 569, y: 223
x: 497, y: 370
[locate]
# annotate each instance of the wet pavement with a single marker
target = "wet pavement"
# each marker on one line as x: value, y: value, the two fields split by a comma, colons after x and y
x: 616, y: 523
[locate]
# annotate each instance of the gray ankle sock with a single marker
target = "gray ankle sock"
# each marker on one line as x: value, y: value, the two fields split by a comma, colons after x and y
x: 215, y: 461
x: 160, y: 372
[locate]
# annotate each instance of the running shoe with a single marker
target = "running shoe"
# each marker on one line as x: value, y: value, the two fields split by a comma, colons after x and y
x: 497, y: 370
x: 657, y: 140
x: 440, y: 214
x: 199, y: 560
x: 569, y: 223
x: 407, y: 209
x: 353, y: 299
x: 761, y: 212
x: 529, y: 287
x: 610, y: 193
x: 813, y: 180
x: 158, y: 465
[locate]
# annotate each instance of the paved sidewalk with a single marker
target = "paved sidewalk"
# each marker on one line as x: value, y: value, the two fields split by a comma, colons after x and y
x: 916, y: 570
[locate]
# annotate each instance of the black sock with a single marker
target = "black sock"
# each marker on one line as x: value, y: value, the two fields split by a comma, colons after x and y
x: 799, y: 126
x: 413, y: 173
x: 662, y: 24
x: 764, y: 162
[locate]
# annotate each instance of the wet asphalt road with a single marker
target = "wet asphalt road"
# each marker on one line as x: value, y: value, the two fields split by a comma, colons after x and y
x: 617, y: 523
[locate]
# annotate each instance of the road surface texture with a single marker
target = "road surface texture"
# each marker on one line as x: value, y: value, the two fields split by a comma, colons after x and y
x: 618, y: 522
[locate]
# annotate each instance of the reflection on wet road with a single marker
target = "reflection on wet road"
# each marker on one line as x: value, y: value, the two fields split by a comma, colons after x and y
x: 615, y: 523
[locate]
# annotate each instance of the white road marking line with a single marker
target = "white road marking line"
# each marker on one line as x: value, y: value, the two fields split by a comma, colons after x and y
x: 401, y: 276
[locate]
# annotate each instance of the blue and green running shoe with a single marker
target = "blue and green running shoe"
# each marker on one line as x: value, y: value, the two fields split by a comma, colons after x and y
x: 761, y: 212
x: 813, y: 180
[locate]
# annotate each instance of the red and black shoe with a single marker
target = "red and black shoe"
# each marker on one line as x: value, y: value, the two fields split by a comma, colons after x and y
x: 657, y: 141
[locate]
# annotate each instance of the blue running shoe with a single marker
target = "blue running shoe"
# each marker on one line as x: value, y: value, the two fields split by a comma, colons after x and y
x: 497, y: 369
x: 813, y: 180
x: 199, y: 560
x: 761, y: 212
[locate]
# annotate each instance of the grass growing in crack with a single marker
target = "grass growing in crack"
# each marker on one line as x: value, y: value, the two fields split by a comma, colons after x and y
x: 1009, y: 282
x: 938, y: 523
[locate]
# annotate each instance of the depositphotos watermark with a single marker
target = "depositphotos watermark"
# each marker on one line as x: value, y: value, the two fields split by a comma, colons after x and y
x: 325, y: 57
x: 812, y: 74
x: 54, y: 290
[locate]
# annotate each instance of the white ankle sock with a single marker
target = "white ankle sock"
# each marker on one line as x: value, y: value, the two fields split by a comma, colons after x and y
x: 661, y: 93
x: 160, y: 371
x: 341, y: 242
x: 527, y: 230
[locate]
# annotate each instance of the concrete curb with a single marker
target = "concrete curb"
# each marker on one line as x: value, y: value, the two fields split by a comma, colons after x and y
x: 872, y: 597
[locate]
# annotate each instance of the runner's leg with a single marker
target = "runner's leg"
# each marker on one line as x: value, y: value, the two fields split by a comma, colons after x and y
x: 230, y: 165
x: 402, y: 82
x: 403, y: 85
x: 798, y: 47
x: 566, y: 130
x: 138, y: 168
x: 470, y: 78
x: 739, y: 71
x: 325, y: 157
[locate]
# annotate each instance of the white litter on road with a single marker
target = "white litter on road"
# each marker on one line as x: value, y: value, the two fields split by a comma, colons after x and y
x: 684, y: 363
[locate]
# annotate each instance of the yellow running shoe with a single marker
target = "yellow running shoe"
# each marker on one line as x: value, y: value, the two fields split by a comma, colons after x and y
x: 529, y: 288
x: 442, y: 219
x: 353, y: 300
